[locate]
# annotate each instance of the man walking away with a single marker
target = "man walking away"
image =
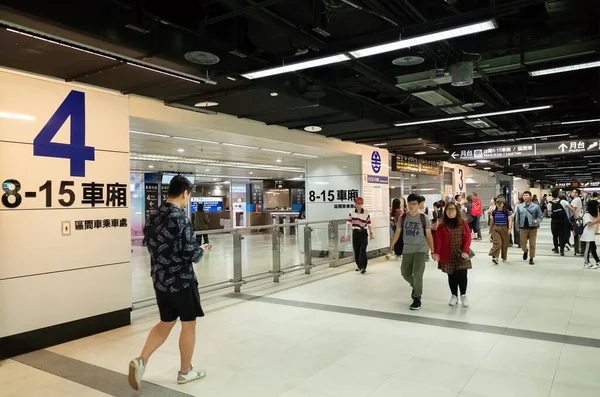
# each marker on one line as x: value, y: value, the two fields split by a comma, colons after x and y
x: 477, y: 211
x: 559, y: 223
x: 528, y: 219
x: 173, y: 248
x: 417, y: 240
x: 201, y: 221
x: 576, y: 208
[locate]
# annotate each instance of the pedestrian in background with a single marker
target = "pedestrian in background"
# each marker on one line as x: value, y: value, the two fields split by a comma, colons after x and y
x: 201, y: 222
x: 576, y: 208
x: 452, y: 245
x: 528, y: 218
x: 360, y: 221
x: 559, y: 223
x: 477, y: 211
x: 588, y: 237
x: 398, y: 209
x: 500, y: 226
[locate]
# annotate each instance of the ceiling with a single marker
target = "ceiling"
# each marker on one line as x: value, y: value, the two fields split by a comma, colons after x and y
x: 358, y: 100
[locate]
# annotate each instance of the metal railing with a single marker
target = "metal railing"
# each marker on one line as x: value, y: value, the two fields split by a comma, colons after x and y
x: 309, y: 244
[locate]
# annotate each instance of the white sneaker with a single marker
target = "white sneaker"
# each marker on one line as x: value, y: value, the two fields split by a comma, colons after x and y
x: 588, y: 266
x: 464, y: 300
x: 136, y: 372
x: 596, y: 266
x: 453, y: 301
x: 397, y: 257
x: 194, y: 374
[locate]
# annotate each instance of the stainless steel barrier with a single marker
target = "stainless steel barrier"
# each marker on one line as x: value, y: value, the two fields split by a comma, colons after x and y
x: 243, y: 256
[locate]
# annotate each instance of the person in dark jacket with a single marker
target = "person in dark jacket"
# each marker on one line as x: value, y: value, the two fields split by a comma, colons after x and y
x: 201, y: 221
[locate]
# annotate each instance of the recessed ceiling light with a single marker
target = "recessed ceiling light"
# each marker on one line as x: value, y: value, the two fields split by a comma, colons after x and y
x: 279, y: 160
x: 237, y: 145
x: 563, y: 69
x: 150, y: 166
x: 231, y: 78
x: 206, y: 104
x: 419, y: 139
x: 274, y: 93
x: 313, y: 128
x: 472, y: 165
x: 420, y: 153
x: 447, y: 152
x: 482, y: 161
x: 180, y: 150
x: 305, y: 155
x: 149, y: 133
x: 510, y: 173
x: 251, y: 173
x: 487, y: 168
x: 380, y: 144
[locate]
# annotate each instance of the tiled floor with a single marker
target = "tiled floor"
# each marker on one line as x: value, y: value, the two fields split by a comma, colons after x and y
x: 306, y: 338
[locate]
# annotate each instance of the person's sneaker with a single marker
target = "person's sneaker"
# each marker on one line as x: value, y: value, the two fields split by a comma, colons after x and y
x: 194, y: 374
x: 495, y: 261
x: 464, y: 301
x: 416, y: 305
x: 357, y: 269
x: 568, y: 247
x: 531, y: 262
x: 504, y: 260
x: 588, y: 265
x: 555, y: 250
x: 453, y: 301
x: 525, y: 255
x: 596, y: 266
x: 363, y: 271
x: 562, y: 253
x: 136, y: 372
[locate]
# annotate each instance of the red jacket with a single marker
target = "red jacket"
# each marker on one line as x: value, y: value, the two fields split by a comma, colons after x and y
x: 441, y: 242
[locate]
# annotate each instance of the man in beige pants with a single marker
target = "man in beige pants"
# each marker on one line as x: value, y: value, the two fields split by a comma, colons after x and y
x: 528, y: 217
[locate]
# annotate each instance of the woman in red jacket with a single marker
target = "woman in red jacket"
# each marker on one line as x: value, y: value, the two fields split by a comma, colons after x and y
x: 452, y: 243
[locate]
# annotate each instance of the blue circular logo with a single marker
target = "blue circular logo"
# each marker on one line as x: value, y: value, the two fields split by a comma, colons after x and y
x: 376, y: 162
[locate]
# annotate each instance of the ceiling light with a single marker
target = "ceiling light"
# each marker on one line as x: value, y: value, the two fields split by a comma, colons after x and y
x: 297, y: 66
x: 511, y: 140
x: 482, y: 161
x: 150, y: 166
x: 380, y: 144
x: 16, y: 116
x: 429, y: 121
x: 313, y: 128
x: 206, y: 104
x: 231, y: 78
x: 305, y: 155
x: 274, y: 93
x: 156, y: 70
x: 420, y: 153
x: 149, y: 133
x: 241, y: 146
x: 580, y: 121
x: 182, y: 138
x: 510, y: 174
x: 487, y: 168
x: 180, y: 150
x: 447, y: 152
x: 279, y: 160
x: 521, y: 110
x: 275, y: 151
x: 472, y: 165
x: 425, y: 39
x: 563, y: 69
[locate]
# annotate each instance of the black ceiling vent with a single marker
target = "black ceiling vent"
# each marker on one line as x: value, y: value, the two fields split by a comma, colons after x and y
x: 202, y: 58
x: 314, y: 92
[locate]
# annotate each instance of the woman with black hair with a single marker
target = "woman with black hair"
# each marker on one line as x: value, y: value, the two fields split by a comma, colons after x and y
x: 360, y: 221
x: 452, y: 244
x: 588, y: 237
x: 500, y: 225
x: 398, y: 209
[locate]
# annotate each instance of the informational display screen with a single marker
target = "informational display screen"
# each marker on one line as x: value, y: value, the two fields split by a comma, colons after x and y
x: 164, y: 193
x: 411, y: 164
x: 167, y: 176
x: 150, y: 199
x: 211, y: 204
x: 298, y: 196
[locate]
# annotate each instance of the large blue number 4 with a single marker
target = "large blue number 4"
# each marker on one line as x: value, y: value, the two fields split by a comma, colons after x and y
x: 73, y: 106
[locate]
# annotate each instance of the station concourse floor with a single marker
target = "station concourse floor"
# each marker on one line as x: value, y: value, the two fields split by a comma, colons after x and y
x: 530, y: 331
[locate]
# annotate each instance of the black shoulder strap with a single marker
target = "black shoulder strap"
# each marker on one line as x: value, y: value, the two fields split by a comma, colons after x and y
x: 424, y: 223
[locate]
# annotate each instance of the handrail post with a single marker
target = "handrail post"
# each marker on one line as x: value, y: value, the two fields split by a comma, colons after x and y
x: 276, y: 236
x: 237, y: 261
x: 333, y: 238
x: 307, y: 249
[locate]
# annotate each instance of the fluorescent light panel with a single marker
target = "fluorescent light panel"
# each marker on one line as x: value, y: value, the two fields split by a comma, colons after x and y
x: 150, y: 134
x: 473, y: 116
x: 16, y: 116
x: 241, y: 146
x: 580, y: 121
x: 195, y: 140
x: 275, y: 151
x: 305, y: 155
x: 425, y: 39
x: 563, y: 69
x: 313, y: 63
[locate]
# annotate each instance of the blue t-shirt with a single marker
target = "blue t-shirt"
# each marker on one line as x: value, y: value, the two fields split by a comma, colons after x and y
x: 500, y: 218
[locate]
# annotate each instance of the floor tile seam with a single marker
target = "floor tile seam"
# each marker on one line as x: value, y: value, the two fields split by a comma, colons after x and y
x: 435, y: 322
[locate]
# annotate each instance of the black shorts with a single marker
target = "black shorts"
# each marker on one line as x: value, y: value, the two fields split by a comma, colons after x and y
x: 184, y: 304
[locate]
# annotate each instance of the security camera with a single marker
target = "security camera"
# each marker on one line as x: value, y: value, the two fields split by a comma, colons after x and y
x: 526, y: 166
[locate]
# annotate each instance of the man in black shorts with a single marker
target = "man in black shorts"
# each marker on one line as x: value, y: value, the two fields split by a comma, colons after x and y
x: 169, y: 236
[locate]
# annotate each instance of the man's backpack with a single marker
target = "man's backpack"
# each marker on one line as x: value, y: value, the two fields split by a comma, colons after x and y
x: 577, y: 226
x: 558, y: 212
x: 476, y: 209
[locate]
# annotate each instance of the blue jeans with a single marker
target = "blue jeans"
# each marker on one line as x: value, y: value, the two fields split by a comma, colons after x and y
x: 478, y: 226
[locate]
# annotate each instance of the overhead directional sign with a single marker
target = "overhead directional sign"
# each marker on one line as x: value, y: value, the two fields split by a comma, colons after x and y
x: 515, y: 149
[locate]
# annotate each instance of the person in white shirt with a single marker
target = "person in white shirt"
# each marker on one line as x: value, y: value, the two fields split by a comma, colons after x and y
x: 576, y: 208
x: 588, y: 237
x: 360, y: 221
